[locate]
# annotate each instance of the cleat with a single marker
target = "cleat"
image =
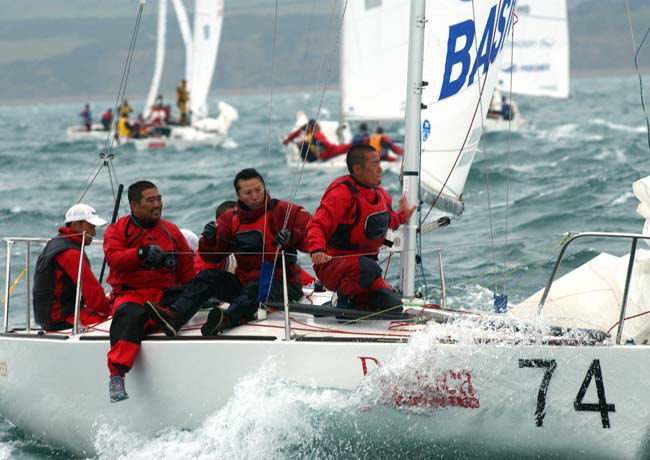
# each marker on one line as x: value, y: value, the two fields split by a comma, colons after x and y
x: 116, y: 389
x: 217, y: 322
x: 167, y: 318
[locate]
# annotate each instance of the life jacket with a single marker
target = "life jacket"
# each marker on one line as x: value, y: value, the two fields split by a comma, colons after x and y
x: 310, y: 148
x: 370, y: 223
x: 45, y: 278
x: 256, y: 238
x: 123, y: 129
x: 375, y: 141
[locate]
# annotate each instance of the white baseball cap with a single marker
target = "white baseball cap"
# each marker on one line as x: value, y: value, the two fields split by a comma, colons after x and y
x: 83, y: 212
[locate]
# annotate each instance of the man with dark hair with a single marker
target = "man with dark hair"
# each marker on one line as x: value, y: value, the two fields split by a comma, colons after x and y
x: 255, y: 231
x: 149, y: 260
x: 382, y: 143
x: 347, y: 230
x: 57, y: 268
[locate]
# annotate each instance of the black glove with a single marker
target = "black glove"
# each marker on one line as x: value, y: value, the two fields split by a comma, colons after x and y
x: 152, y: 256
x: 210, y: 231
x: 282, y: 238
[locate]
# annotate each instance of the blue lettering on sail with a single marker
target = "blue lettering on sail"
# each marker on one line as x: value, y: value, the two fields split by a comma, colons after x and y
x: 484, y: 48
x: 489, y: 49
x: 462, y: 57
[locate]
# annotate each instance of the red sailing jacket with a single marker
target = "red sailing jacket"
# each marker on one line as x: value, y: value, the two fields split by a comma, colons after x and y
x: 54, y: 297
x: 351, y: 219
x: 121, y: 242
x: 241, y: 230
x: 319, y: 144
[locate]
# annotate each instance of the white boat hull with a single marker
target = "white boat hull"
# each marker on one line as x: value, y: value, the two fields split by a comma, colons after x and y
x: 461, y: 394
x: 79, y: 133
x: 492, y: 125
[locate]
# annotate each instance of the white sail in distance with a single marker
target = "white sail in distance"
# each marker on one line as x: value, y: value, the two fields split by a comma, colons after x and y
x: 540, y: 54
x: 374, y: 49
x: 208, y: 19
x: 463, y: 51
x: 160, y: 57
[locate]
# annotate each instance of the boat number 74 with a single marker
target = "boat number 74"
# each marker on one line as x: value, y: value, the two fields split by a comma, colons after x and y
x: 594, y: 372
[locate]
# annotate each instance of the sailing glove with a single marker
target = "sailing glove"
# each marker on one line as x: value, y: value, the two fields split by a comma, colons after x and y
x: 283, y: 237
x: 152, y: 256
x: 210, y: 231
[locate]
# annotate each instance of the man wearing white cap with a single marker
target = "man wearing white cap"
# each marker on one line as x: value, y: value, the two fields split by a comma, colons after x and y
x: 55, y: 277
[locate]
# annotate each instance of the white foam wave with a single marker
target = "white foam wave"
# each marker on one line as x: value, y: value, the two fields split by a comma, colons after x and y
x: 623, y: 198
x: 5, y: 451
x: 618, y: 127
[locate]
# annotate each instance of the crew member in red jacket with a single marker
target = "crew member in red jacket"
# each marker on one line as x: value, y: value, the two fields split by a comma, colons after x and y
x: 382, y: 143
x: 57, y: 268
x: 149, y: 260
x: 315, y: 145
x: 254, y: 231
x: 347, y: 230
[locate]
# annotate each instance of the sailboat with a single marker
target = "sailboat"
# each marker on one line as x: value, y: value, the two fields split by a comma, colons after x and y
x: 370, y: 89
x: 201, y: 49
x: 535, y: 63
x: 485, y: 380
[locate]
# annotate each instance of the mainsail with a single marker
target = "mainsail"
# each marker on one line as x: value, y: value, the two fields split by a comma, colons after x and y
x: 374, y: 47
x: 462, y: 42
x: 208, y: 18
x: 540, y: 55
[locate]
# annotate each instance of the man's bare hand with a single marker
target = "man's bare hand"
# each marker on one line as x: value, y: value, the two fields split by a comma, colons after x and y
x: 318, y: 258
x: 404, y: 206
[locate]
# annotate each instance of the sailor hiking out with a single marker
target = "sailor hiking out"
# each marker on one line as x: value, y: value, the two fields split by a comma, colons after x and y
x: 347, y: 230
x: 149, y: 260
x: 315, y: 146
x: 255, y: 231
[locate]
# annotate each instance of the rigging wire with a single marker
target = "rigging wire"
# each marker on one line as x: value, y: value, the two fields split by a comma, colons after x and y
x: 483, y: 149
x: 508, y: 153
x: 636, y: 64
x: 105, y: 159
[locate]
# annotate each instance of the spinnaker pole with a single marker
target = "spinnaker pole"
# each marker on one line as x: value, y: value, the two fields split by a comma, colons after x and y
x: 411, y: 164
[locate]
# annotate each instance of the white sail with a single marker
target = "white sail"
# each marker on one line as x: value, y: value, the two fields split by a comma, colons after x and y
x: 373, y: 60
x: 540, y: 56
x: 160, y: 57
x: 208, y: 18
x: 452, y: 123
x: 186, y: 33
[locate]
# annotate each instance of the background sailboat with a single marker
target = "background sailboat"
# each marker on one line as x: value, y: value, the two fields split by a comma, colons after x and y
x: 372, y: 77
x: 536, y: 58
x: 201, y: 50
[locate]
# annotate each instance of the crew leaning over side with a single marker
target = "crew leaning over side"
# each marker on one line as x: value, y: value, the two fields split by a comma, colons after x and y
x: 149, y: 260
x: 255, y: 231
x: 347, y: 230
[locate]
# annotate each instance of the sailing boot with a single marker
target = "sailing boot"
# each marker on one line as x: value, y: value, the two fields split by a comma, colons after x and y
x: 216, y: 323
x: 169, y: 320
x: 116, y: 389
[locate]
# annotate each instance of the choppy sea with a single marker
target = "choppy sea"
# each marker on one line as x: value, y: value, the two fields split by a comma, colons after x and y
x: 570, y: 168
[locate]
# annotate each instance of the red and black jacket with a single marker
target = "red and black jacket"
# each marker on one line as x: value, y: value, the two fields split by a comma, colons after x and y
x: 351, y: 219
x: 250, y: 232
x: 55, y: 284
x: 127, y: 272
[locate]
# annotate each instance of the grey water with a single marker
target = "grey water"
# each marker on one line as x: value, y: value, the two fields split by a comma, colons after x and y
x: 569, y: 169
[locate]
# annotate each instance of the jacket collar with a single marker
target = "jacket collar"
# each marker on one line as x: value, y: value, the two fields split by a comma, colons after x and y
x: 248, y: 215
x: 69, y: 234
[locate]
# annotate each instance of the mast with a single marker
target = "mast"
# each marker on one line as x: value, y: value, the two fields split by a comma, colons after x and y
x: 344, y: 31
x: 186, y: 33
x: 160, y: 57
x: 410, y: 166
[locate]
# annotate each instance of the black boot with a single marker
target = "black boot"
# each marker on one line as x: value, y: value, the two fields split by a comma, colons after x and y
x: 168, y: 319
x: 217, y: 322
